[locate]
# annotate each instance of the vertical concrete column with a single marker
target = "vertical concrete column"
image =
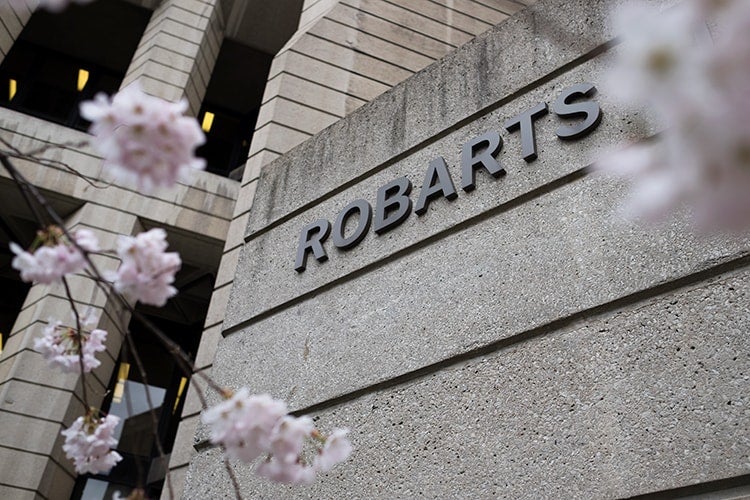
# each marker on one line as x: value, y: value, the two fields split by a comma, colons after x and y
x: 37, y: 402
x: 13, y: 17
x: 177, y: 53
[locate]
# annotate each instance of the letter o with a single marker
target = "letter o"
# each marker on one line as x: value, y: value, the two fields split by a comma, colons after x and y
x: 365, y: 217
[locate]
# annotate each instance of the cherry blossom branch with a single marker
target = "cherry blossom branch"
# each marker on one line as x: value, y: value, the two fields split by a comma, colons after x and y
x: 233, y: 478
x: 152, y: 411
x: 79, y: 339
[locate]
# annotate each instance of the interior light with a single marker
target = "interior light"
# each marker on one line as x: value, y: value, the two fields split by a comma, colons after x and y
x: 208, y: 121
x: 180, y: 390
x: 122, y: 376
x: 12, y: 87
x: 83, y: 77
x: 1, y: 342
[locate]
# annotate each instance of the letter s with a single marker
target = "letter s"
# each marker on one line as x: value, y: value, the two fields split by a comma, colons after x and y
x: 587, y: 109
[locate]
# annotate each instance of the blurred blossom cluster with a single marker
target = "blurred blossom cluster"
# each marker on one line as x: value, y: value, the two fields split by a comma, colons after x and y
x: 250, y: 426
x: 68, y: 349
x: 88, y: 443
x: 144, y: 138
x: 700, y: 86
x: 53, y: 255
x: 147, y: 270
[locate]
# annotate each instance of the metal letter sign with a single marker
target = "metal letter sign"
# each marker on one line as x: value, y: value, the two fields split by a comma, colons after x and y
x: 393, y: 205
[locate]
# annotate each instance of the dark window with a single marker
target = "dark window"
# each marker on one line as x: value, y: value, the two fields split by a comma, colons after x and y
x: 62, y: 59
x: 13, y: 291
x: 231, y: 106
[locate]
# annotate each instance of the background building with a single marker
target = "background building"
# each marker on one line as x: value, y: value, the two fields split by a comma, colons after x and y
x: 262, y: 77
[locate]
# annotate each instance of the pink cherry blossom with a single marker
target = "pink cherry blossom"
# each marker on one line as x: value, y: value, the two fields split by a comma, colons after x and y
x: 88, y: 444
x: 251, y: 426
x: 336, y: 449
x: 284, y: 472
x: 144, y: 138
x: 55, y: 258
x: 287, y: 441
x: 63, y: 346
x: 147, y: 271
x: 701, y: 89
x: 243, y: 424
x: 289, y: 436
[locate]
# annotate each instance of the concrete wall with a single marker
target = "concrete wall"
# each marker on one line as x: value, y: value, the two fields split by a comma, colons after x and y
x: 344, y: 54
x: 518, y: 341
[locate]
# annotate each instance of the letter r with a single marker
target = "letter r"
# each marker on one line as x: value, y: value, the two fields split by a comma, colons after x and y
x: 311, y: 240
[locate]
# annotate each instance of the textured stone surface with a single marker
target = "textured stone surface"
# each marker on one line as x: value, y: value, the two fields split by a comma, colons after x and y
x: 512, y: 56
x: 627, y: 397
x: 265, y: 274
x: 632, y: 401
x: 546, y: 259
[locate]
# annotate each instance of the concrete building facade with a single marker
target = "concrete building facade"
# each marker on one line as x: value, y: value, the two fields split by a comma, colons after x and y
x: 514, y: 339
x: 508, y: 336
x: 288, y: 68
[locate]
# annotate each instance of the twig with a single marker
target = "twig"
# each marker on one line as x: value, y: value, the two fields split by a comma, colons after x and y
x: 233, y: 478
x: 79, y: 339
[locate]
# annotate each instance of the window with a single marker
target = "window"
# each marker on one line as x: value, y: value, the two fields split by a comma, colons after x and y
x: 231, y: 106
x: 13, y: 291
x: 62, y: 59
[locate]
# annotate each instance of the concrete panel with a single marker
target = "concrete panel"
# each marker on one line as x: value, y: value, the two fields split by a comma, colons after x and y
x: 291, y: 114
x: 183, y: 449
x: 177, y: 478
x: 227, y: 267
x: 38, y: 401
x: 313, y: 94
x: 252, y: 174
x: 390, y: 50
x: 17, y: 493
x: 493, y: 15
x: 327, y: 74
x: 277, y: 138
x: 388, y: 30
x: 193, y: 404
x: 218, y: 305
x: 550, y: 258
x: 196, y: 18
x: 632, y: 401
x: 438, y: 98
x: 352, y: 60
x: 34, y: 472
x: 266, y: 268
x: 209, y: 342
x: 315, y: 10
x: 412, y: 20
x: 447, y: 16
x: 171, y: 58
x: 29, y: 434
x: 236, y: 230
